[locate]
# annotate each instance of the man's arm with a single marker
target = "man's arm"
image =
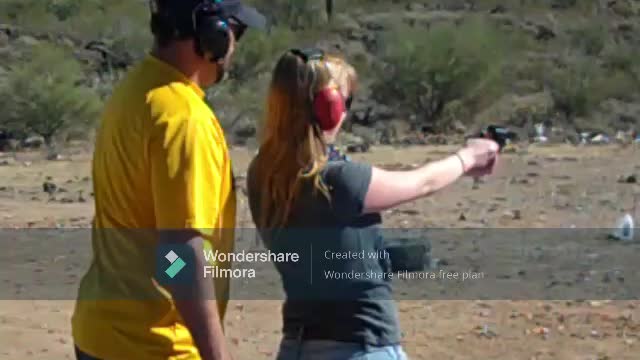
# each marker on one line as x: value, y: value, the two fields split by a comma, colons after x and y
x: 195, y: 300
x: 186, y: 178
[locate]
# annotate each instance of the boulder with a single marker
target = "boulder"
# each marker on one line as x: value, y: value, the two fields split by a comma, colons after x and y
x: 498, y: 9
x: 26, y: 40
x: 413, y: 6
x: 384, y: 21
x: 49, y: 187
x: 563, y: 4
x: 33, y: 142
x: 346, y: 25
x: 367, y: 134
x: 4, y: 39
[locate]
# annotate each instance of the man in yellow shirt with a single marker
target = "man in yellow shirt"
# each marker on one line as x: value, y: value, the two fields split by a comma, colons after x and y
x: 162, y: 181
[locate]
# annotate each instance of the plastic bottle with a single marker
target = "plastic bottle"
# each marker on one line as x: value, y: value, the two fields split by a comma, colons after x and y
x: 624, y: 228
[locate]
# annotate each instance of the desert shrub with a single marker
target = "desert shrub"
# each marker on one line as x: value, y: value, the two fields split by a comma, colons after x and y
x: 614, y: 85
x: 43, y: 95
x: 298, y: 14
x: 424, y: 70
x: 590, y: 38
x: 31, y: 15
x: 622, y: 57
x: 258, y: 52
x: 572, y: 87
x: 582, y: 85
x: 563, y: 4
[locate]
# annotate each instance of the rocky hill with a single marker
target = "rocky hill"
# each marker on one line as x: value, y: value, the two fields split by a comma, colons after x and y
x: 428, y: 69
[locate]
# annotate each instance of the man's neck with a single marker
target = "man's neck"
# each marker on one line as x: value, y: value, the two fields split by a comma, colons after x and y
x: 180, y: 60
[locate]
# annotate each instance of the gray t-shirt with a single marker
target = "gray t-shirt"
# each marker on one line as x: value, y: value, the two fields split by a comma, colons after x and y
x: 320, y: 305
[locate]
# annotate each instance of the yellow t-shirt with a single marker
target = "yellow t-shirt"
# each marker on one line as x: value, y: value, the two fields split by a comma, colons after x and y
x: 160, y: 162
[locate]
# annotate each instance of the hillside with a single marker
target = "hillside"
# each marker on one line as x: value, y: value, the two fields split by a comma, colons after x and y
x: 426, y: 67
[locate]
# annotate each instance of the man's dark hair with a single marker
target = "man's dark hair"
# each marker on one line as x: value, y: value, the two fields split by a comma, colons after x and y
x: 163, y: 24
x: 162, y: 30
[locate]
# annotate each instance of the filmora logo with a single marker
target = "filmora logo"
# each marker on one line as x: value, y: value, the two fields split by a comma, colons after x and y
x: 174, y: 264
x: 177, y: 264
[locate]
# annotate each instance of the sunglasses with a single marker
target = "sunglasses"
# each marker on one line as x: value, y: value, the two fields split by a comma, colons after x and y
x: 348, y: 102
x: 237, y: 28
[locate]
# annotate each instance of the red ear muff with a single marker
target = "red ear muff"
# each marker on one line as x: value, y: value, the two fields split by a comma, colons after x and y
x: 328, y: 108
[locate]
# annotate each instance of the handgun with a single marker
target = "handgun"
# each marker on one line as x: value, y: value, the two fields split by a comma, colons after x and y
x: 500, y: 134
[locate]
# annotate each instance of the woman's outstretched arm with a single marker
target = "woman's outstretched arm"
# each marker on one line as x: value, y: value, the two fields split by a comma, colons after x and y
x: 388, y: 189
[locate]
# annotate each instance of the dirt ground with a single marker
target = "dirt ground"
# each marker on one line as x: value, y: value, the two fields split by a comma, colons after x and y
x: 537, y: 187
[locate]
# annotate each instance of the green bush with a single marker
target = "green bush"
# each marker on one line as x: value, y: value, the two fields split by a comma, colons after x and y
x: 572, y: 88
x: 296, y: 14
x: 582, y: 85
x: 257, y: 52
x: 427, y: 69
x: 622, y: 57
x: 43, y: 95
x: 591, y: 38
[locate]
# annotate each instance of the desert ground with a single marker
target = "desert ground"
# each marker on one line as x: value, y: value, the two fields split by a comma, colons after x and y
x: 536, y: 187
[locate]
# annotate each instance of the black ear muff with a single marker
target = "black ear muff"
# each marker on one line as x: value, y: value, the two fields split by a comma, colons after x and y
x: 211, y: 29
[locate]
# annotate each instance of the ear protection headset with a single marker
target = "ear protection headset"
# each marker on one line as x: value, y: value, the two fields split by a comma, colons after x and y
x: 328, y: 104
x: 208, y: 25
x: 211, y: 30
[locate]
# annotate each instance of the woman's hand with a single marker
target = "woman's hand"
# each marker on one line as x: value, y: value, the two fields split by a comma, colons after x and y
x: 479, y: 157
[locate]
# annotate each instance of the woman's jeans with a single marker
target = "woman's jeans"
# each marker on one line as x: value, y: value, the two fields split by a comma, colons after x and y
x: 335, y: 350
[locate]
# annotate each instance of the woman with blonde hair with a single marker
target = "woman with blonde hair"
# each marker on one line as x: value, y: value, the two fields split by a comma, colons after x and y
x: 327, y: 209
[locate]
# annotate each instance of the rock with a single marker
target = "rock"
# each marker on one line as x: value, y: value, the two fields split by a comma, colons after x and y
x: 498, y: 9
x: 49, y: 187
x: 370, y: 113
x: 7, y: 162
x: 349, y: 27
x: 543, y: 33
x: 54, y: 157
x: 33, y: 142
x: 367, y: 134
x: 4, y: 39
x: 455, y: 5
x: 459, y: 127
x: 563, y: 4
x: 624, y: 26
x: 243, y: 128
x: 512, y: 215
x: 26, y: 40
x: 438, y: 139
x: 358, y: 148
x: 624, y: 8
x: 387, y: 20
x: 415, y: 7
x: 346, y: 139
x: 631, y: 179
